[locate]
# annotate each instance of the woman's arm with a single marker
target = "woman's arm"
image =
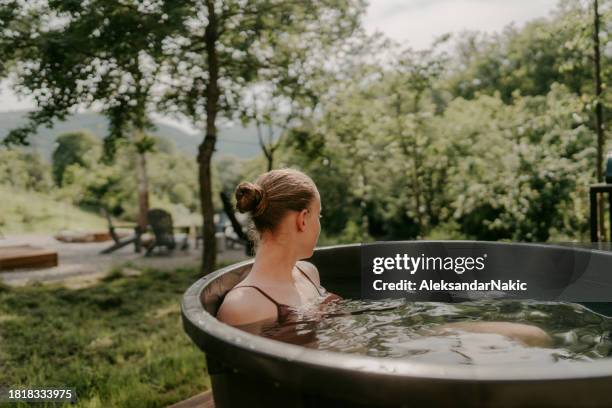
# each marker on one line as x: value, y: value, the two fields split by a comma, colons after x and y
x: 525, y: 333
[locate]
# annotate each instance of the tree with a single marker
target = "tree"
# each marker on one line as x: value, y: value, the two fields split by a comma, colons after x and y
x: 529, y: 60
x: 16, y: 25
x: 73, y: 148
x: 564, y: 48
x: 225, y: 46
x: 98, y: 54
x: 518, y: 171
x: 376, y: 127
x: 24, y: 171
x: 584, y: 21
x: 599, y: 124
x: 411, y: 86
x: 288, y: 93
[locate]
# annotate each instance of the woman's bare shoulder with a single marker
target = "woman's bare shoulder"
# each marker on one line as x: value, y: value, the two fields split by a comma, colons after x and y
x: 311, y: 270
x: 245, y: 306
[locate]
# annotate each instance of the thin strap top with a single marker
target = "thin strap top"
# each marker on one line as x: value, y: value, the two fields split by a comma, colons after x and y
x: 310, y: 280
x: 283, y: 310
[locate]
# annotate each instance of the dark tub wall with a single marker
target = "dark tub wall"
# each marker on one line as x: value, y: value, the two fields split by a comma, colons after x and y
x: 340, y: 269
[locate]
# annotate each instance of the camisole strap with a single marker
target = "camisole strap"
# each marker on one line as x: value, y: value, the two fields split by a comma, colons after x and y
x: 262, y: 292
x: 283, y: 311
x: 308, y: 277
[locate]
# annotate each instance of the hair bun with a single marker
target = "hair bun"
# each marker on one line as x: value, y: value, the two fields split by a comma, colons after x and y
x: 251, y: 198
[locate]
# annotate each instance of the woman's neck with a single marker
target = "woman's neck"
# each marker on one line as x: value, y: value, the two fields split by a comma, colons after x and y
x: 275, y: 260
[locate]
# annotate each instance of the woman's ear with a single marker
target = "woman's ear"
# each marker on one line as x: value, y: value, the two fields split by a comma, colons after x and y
x: 301, y: 220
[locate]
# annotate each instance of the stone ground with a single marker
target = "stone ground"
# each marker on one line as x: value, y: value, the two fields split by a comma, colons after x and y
x: 81, y: 264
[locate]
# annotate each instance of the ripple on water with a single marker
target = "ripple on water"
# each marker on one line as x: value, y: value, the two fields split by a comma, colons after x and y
x: 411, y: 330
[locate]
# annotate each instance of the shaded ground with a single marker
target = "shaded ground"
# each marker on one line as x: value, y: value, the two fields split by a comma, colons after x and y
x: 81, y: 264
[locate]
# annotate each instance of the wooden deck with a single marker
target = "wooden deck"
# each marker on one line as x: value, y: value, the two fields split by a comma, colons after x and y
x: 203, y: 400
x: 26, y: 256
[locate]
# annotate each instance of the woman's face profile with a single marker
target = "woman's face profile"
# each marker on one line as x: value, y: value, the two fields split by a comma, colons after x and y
x: 314, y: 223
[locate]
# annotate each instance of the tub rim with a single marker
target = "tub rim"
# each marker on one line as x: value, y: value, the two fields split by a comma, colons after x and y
x: 203, y: 328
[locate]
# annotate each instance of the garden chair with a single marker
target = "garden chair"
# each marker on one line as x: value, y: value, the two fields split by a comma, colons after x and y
x: 160, y: 222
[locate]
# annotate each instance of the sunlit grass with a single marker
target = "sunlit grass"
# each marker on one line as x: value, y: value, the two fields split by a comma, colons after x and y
x: 28, y: 211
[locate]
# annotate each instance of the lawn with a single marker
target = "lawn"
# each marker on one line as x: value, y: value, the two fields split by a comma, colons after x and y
x: 28, y: 211
x: 119, y: 343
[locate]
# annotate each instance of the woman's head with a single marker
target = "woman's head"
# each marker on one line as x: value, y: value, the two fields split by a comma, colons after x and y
x: 283, y: 199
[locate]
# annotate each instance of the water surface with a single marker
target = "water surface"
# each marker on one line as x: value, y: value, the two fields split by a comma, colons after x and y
x: 417, y: 331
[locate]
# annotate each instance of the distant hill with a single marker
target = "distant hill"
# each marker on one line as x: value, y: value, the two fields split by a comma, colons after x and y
x: 238, y: 141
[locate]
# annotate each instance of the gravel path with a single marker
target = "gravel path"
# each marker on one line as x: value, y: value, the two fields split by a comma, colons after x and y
x: 82, y: 264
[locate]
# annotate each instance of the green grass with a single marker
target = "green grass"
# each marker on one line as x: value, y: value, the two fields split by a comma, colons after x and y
x: 119, y: 343
x: 28, y: 211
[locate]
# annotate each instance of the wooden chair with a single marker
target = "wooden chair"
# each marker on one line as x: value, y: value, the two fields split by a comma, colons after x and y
x: 161, y: 224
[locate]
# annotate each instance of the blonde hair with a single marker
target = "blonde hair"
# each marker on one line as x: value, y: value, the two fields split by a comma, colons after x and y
x: 272, y: 195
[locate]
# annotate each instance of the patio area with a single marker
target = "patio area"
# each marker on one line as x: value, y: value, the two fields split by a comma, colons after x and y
x: 81, y: 264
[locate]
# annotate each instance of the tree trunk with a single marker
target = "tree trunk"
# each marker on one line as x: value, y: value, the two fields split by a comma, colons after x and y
x: 229, y: 210
x: 271, y: 147
x: 143, y: 182
x: 598, y: 117
x: 209, y: 250
x: 207, y: 148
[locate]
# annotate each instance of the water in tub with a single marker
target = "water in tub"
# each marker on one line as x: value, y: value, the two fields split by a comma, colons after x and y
x: 476, y: 333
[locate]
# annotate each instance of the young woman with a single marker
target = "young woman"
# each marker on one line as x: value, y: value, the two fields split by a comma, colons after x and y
x: 285, y: 207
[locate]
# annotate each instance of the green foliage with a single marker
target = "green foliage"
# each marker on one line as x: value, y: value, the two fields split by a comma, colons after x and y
x: 91, y: 184
x: 408, y: 166
x: 145, y: 144
x: 105, y: 186
x: 265, y: 42
x: 30, y: 211
x: 530, y: 59
x: 75, y: 148
x: 172, y: 180
x: 383, y: 160
x: 24, y: 170
x: 98, y: 53
x: 515, y: 168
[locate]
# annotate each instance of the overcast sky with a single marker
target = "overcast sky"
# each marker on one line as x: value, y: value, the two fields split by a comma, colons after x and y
x: 413, y: 22
x: 417, y: 22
